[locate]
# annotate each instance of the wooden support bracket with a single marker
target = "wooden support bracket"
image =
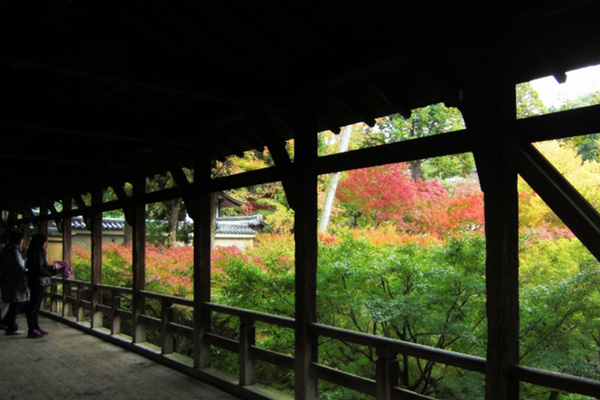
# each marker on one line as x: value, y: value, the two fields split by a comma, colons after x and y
x: 568, y: 204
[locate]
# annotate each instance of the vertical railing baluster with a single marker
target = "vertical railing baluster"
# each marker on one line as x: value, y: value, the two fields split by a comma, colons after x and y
x: 53, y: 299
x: 79, y: 307
x: 115, y: 305
x: 386, y: 373
x: 97, y: 315
x: 166, y: 331
x: 66, y: 304
x: 247, y: 359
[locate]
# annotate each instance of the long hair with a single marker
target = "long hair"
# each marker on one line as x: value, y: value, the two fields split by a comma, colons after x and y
x: 37, y: 243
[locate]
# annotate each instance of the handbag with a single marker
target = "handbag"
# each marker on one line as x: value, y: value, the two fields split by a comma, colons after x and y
x: 45, y: 281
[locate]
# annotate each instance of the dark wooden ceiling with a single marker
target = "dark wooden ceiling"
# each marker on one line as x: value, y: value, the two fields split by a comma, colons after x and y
x: 93, y: 91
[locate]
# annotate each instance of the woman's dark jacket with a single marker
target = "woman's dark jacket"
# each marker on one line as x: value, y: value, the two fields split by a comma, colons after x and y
x: 12, y: 275
x: 37, y: 266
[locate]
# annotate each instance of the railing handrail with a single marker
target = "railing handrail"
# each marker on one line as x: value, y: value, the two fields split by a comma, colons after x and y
x: 447, y: 357
x: 555, y: 380
x: 171, y: 299
x: 277, y: 320
x: 119, y: 289
x: 558, y: 381
x: 71, y: 281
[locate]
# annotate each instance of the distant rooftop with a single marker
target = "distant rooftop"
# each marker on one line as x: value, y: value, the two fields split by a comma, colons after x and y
x: 240, y: 225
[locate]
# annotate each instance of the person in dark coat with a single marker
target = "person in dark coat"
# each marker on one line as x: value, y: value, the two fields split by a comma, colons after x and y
x: 3, y: 306
x: 37, y: 267
x: 14, y: 284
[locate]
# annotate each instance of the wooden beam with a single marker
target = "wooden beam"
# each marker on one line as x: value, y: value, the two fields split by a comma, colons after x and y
x: 125, y: 201
x: 181, y: 180
x: 54, y: 214
x: 266, y: 130
x: 43, y: 223
x: 84, y: 211
x: 576, y: 122
x: 355, y: 107
x: 558, y: 71
x: 391, y: 98
x: 558, y: 193
x: 243, y: 88
x: 431, y: 146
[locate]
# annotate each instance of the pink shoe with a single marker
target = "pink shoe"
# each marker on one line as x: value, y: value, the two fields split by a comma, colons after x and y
x: 35, y: 334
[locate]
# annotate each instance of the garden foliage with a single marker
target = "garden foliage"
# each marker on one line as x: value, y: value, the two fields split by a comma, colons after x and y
x: 405, y: 260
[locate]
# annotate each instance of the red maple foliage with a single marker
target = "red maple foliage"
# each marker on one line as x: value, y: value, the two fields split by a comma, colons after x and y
x: 388, y: 194
x: 381, y: 193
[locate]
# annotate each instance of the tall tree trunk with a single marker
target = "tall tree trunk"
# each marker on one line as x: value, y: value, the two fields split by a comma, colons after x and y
x: 415, y: 165
x: 173, y: 218
x: 344, y: 140
x: 415, y: 169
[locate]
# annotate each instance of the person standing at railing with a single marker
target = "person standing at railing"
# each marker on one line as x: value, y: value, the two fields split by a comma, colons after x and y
x: 3, y: 306
x: 14, y: 284
x: 38, y: 277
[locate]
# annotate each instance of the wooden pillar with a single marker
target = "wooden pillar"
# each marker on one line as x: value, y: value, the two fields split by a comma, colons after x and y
x: 67, y: 232
x: 96, y: 276
x: 306, y: 239
x: 491, y: 108
x: 137, y: 216
x: 502, y: 276
x: 67, y: 241
x: 26, y: 233
x: 202, y: 211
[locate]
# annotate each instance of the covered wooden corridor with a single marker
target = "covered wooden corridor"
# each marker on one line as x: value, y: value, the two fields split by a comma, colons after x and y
x: 70, y: 364
x: 98, y: 97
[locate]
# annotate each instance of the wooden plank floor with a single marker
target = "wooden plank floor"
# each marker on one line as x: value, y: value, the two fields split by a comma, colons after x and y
x: 69, y: 364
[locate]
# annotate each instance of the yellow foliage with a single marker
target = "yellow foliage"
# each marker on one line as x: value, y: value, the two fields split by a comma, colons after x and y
x: 583, y: 175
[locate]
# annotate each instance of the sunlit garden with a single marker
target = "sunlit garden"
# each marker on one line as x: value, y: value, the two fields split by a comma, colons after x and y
x: 402, y: 256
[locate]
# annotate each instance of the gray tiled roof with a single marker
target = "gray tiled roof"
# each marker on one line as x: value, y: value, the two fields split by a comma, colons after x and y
x: 234, y: 230
x: 241, y: 225
x: 108, y: 224
x: 246, y: 220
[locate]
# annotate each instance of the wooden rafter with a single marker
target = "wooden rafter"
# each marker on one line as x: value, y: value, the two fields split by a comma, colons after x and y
x: 355, y: 107
x: 267, y: 131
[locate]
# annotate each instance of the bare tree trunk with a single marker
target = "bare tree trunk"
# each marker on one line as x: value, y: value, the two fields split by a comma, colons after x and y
x: 415, y: 169
x: 127, y: 234
x: 344, y: 140
x: 173, y: 217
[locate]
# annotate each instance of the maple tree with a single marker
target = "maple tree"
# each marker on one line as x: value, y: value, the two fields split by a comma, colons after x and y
x: 386, y: 195
x: 528, y: 101
x: 425, y: 121
x: 379, y: 193
x: 412, y: 258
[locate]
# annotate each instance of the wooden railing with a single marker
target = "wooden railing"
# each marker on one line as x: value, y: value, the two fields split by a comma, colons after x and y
x: 66, y: 305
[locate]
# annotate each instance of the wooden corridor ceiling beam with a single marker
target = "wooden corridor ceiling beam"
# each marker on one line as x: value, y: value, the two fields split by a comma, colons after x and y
x: 187, y: 71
